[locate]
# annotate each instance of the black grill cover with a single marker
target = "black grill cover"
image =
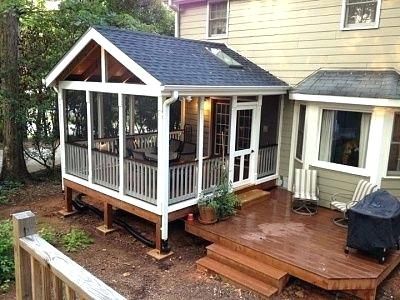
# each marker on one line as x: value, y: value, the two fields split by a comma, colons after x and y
x: 374, y: 222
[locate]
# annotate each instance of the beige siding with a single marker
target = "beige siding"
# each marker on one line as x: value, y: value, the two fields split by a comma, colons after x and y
x: 294, y: 38
x: 286, y: 136
x: 331, y: 182
x: 391, y: 185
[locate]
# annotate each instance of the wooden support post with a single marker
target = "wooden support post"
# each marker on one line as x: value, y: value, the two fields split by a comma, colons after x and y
x: 157, y: 253
x: 68, y: 210
x: 24, y: 224
x: 107, y: 228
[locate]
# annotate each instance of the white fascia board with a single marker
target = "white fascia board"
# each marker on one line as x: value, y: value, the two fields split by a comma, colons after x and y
x: 114, y: 88
x: 345, y: 100
x: 192, y: 90
x: 124, y: 59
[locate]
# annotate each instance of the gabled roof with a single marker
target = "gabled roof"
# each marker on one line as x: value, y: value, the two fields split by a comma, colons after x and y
x: 383, y: 84
x: 169, y: 61
x: 175, y: 61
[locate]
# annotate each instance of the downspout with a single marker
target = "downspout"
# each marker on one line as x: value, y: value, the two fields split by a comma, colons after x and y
x: 165, y: 166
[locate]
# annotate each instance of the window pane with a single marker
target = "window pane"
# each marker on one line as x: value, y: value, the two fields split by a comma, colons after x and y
x: 218, y: 10
x: 218, y: 18
x: 394, y: 155
x: 359, y: 11
x: 217, y: 27
x: 300, y: 132
x: 344, y: 137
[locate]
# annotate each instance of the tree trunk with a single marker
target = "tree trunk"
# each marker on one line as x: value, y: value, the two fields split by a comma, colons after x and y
x: 14, y: 167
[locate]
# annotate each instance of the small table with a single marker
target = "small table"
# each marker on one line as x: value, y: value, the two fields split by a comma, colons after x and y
x: 152, y: 155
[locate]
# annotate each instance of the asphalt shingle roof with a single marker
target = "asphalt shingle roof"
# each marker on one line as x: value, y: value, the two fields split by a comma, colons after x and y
x: 352, y: 83
x: 175, y: 61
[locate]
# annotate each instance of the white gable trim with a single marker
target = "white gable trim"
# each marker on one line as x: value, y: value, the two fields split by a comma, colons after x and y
x: 94, y: 35
x: 346, y: 100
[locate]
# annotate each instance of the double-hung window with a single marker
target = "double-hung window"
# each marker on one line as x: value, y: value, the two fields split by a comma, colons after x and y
x: 394, y: 155
x: 300, y: 132
x: 217, y: 18
x: 344, y: 137
x: 360, y: 14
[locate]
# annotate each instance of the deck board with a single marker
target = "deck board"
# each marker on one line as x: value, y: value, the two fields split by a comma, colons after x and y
x: 308, y: 247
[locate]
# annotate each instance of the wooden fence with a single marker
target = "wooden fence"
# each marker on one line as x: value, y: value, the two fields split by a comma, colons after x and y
x: 44, y: 273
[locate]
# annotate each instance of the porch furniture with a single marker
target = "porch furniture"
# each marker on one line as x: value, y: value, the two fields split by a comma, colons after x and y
x: 363, y: 189
x: 306, y: 192
x: 374, y: 225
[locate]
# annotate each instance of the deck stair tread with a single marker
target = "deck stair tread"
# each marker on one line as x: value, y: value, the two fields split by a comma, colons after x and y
x: 248, y: 265
x: 237, y: 277
x: 252, y: 196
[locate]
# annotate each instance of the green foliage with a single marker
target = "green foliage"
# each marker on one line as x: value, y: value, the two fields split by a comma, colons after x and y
x: 76, y: 240
x: 6, y: 255
x: 48, y: 234
x: 8, y: 188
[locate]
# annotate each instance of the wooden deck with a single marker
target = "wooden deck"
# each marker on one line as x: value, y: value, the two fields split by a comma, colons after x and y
x: 307, y: 247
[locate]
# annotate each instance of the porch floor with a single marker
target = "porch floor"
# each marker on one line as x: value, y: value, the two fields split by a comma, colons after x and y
x: 308, y: 247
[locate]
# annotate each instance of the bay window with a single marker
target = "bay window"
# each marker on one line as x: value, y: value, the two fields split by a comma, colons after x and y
x: 358, y: 14
x: 394, y: 154
x: 344, y: 137
x: 217, y: 18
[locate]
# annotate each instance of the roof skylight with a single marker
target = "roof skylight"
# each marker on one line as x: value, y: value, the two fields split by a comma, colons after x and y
x: 224, y: 57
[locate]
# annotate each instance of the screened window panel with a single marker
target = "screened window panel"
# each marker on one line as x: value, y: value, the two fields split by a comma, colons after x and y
x: 394, y: 155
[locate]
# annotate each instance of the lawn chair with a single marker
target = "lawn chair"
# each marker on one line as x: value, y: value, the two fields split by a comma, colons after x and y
x: 306, y: 193
x: 363, y: 189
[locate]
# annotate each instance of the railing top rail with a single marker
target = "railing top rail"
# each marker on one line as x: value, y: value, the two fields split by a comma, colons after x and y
x: 105, y: 152
x: 77, y: 145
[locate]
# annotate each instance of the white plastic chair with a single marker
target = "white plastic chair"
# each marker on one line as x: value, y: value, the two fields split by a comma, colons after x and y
x: 306, y: 192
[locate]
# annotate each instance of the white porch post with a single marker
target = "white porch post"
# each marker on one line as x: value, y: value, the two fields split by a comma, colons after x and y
x: 311, y: 135
x: 62, y: 126
x: 163, y: 165
x: 89, y: 112
x: 121, y: 143
x: 200, y: 140
x: 232, y: 137
x: 131, y: 114
x: 256, y: 137
x: 100, y: 115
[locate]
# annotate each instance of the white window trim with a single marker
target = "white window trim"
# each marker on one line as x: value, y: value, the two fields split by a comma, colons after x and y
x: 390, y: 129
x: 300, y: 160
x: 334, y: 166
x: 219, y: 36
x: 364, y: 26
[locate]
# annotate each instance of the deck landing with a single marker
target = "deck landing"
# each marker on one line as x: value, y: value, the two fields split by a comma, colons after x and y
x: 309, y: 248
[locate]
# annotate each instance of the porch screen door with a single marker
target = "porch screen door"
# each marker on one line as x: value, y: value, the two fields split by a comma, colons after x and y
x: 243, y: 154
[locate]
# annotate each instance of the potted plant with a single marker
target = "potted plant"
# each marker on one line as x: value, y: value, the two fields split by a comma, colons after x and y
x: 226, y: 199
x: 208, y: 209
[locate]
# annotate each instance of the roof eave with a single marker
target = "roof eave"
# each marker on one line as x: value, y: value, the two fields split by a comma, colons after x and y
x: 206, y: 90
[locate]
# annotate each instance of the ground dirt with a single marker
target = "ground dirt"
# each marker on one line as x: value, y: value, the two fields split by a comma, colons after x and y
x: 121, y: 261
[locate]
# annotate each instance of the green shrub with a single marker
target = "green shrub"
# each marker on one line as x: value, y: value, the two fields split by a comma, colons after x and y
x: 8, y: 188
x: 6, y: 255
x: 76, y: 240
x: 48, y: 234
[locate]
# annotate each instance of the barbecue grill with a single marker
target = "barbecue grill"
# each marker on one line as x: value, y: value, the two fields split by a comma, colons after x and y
x: 374, y: 225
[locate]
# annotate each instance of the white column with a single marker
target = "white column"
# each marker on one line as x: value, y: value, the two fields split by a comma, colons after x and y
x: 62, y: 126
x: 379, y: 141
x: 121, y: 143
x: 103, y: 65
x: 293, y: 144
x: 183, y: 114
x: 89, y: 112
x: 200, y: 142
x: 131, y: 114
x: 256, y: 138
x: 232, y: 137
x: 100, y: 115
x: 311, y: 135
x: 163, y: 165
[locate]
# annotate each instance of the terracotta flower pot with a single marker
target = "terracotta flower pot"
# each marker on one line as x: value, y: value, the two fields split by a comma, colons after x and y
x: 208, y: 215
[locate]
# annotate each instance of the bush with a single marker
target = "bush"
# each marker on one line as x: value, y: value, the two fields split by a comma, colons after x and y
x: 48, y: 234
x: 8, y: 188
x: 6, y: 255
x: 76, y: 240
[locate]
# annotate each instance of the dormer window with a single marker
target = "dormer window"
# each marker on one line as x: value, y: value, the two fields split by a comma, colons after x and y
x: 217, y: 18
x: 360, y: 14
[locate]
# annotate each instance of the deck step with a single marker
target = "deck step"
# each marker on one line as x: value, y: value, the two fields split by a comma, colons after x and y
x: 238, y: 278
x: 252, y: 196
x: 248, y: 265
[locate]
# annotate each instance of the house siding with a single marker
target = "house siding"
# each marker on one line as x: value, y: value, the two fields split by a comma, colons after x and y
x: 286, y: 135
x: 268, y: 33
x: 392, y: 185
x: 331, y: 182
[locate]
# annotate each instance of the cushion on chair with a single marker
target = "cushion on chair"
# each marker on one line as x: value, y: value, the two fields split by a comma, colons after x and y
x: 363, y: 189
x: 306, y: 184
x: 342, y: 206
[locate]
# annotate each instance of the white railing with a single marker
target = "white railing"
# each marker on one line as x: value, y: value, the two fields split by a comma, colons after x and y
x: 267, y: 161
x: 76, y: 160
x: 106, y: 169
x: 107, y: 145
x: 182, y: 182
x: 43, y: 272
x: 149, y: 140
x: 213, y: 170
x: 141, y: 180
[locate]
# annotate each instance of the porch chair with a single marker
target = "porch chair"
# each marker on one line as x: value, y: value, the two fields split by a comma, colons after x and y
x: 306, y: 192
x: 363, y: 189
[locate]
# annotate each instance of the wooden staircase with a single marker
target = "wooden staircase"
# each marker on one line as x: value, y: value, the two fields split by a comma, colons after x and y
x: 243, y: 270
x: 253, y: 196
